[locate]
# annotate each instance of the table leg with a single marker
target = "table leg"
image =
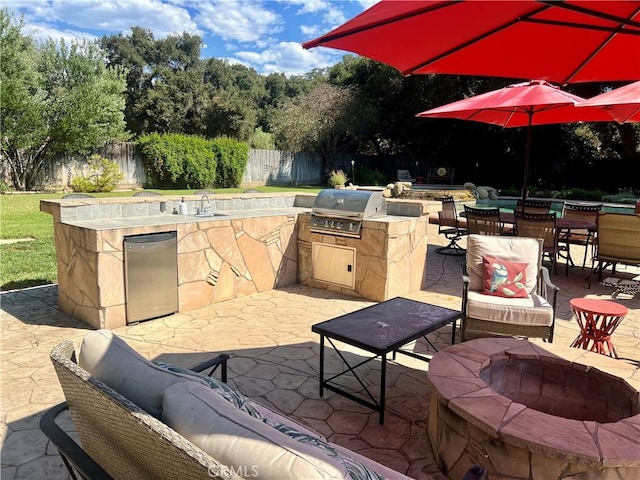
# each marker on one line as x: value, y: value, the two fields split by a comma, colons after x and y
x: 383, y: 386
x: 321, y: 365
x: 453, y: 331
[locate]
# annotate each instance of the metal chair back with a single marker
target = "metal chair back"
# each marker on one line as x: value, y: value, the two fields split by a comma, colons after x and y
x: 539, y: 225
x: 534, y: 206
x: 584, y: 237
x: 483, y: 221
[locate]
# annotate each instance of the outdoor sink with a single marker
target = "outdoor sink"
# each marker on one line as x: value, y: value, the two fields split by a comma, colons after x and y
x: 208, y: 215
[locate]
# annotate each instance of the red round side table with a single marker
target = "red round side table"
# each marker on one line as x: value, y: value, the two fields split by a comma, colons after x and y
x: 597, y: 319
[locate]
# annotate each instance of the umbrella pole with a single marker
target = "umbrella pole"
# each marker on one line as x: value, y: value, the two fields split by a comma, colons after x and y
x: 527, y: 153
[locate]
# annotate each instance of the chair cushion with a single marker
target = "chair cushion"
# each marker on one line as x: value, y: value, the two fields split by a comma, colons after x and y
x: 533, y: 310
x: 502, y: 278
x: 109, y: 359
x: 238, y: 400
x: 242, y: 442
x: 512, y: 249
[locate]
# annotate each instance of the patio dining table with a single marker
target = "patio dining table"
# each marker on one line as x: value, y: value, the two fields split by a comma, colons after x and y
x: 562, y: 225
x: 561, y: 222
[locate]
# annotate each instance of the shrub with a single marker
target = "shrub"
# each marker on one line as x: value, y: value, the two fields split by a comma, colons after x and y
x: 262, y: 140
x: 3, y: 186
x: 366, y: 176
x: 337, y: 177
x: 104, y: 175
x: 231, y: 159
x: 178, y: 161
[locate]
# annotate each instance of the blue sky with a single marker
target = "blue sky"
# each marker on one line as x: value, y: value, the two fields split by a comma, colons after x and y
x: 264, y: 35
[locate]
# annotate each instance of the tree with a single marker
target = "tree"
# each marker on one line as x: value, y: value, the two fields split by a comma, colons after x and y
x: 318, y: 121
x: 55, y: 99
x: 166, y: 91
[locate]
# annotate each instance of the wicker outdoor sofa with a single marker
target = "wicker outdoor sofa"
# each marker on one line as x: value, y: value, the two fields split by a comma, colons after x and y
x: 182, y: 424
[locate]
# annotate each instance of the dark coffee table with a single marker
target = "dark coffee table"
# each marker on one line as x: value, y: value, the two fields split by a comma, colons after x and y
x: 380, y: 329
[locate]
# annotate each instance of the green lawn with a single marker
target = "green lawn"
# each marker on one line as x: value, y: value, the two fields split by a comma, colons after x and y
x: 31, y: 263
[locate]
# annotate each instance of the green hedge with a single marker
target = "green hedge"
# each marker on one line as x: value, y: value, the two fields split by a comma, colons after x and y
x: 232, y: 157
x: 177, y: 161
x: 183, y: 161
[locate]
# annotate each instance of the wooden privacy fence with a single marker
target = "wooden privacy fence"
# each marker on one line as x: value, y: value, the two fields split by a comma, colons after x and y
x: 264, y: 167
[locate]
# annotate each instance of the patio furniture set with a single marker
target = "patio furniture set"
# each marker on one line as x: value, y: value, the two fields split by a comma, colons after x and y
x: 138, y: 419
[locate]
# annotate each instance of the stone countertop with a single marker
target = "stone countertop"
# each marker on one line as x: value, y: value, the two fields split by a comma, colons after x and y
x: 167, y: 219
x: 173, y: 219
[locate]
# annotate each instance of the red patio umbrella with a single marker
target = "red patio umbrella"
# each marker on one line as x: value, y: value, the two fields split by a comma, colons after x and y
x: 623, y: 103
x: 570, y: 41
x: 521, y: 105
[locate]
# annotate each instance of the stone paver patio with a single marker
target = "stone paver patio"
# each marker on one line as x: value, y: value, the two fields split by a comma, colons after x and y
x: 274, y: 360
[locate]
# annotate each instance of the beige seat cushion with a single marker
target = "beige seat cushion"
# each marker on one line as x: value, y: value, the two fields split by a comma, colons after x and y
x: 240, y: 441
x: 109, y: 359
x: 534, y: 310
x: 512, y: 249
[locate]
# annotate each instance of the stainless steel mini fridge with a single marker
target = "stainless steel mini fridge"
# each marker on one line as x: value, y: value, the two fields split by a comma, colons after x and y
x: 151, y: 275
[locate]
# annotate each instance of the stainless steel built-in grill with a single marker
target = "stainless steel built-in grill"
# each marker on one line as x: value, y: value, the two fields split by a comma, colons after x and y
x: 340, y: 212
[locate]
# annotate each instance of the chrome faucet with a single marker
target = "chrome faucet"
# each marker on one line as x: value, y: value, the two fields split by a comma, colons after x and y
x: 204, y: 209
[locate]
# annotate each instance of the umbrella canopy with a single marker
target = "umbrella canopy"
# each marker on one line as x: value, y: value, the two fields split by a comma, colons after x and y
x: 623, y: 103
x: 521, y: 105
x: 570, y: 41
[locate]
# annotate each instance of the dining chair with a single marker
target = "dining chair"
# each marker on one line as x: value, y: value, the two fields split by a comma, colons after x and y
x: 586, y: 237
x: 405, y: 176
x: 543, y: 226
x: 534, y: 206
x: 449, y: 226
x: 618, y: 241
x: 483, y: 221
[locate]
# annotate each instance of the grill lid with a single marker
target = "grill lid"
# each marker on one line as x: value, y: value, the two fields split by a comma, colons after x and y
x: 349, y: 203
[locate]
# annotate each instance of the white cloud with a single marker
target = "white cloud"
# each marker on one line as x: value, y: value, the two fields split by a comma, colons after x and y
x: 367, y: 3
x: 288, y: 58
x: 113, y: 15
x: 238, y: 20
x: 42, y: 33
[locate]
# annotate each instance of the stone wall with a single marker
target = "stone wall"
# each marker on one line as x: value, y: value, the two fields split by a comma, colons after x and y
x: 390, y: 257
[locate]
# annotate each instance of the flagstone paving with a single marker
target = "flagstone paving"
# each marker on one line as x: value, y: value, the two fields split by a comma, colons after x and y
x: 274, y: 360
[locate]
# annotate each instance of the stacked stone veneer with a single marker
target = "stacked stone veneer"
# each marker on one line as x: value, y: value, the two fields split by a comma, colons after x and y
x: 390, y: 256
x: 218, y: 258
x: 531, y: 411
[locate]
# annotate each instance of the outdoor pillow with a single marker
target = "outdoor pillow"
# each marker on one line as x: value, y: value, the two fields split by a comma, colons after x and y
x: 109, y: 359
x: 503, y: 278
x: 283, y: 424
x: 512, y: 249
x: 242, y: 442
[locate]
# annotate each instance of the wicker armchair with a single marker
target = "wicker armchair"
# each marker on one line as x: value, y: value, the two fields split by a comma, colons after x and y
x: 533, y: 316
x: 119, y: 440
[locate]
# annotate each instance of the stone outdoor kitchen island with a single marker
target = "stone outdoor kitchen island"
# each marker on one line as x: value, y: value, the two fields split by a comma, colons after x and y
x: 250, y: 245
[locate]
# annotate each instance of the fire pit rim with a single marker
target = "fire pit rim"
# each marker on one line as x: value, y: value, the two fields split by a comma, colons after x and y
x: 454, y: 379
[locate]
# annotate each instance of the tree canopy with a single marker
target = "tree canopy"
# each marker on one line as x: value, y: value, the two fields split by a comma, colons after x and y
x: 56, y: 98
x: 67, y: 98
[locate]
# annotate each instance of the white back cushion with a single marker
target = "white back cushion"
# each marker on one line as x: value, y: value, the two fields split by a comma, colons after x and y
x: 243, y: 443
x: 513, y: 249
x: 109, y: 359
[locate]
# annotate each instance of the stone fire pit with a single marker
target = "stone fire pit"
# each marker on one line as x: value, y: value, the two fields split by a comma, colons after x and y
x: 532, y: 411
